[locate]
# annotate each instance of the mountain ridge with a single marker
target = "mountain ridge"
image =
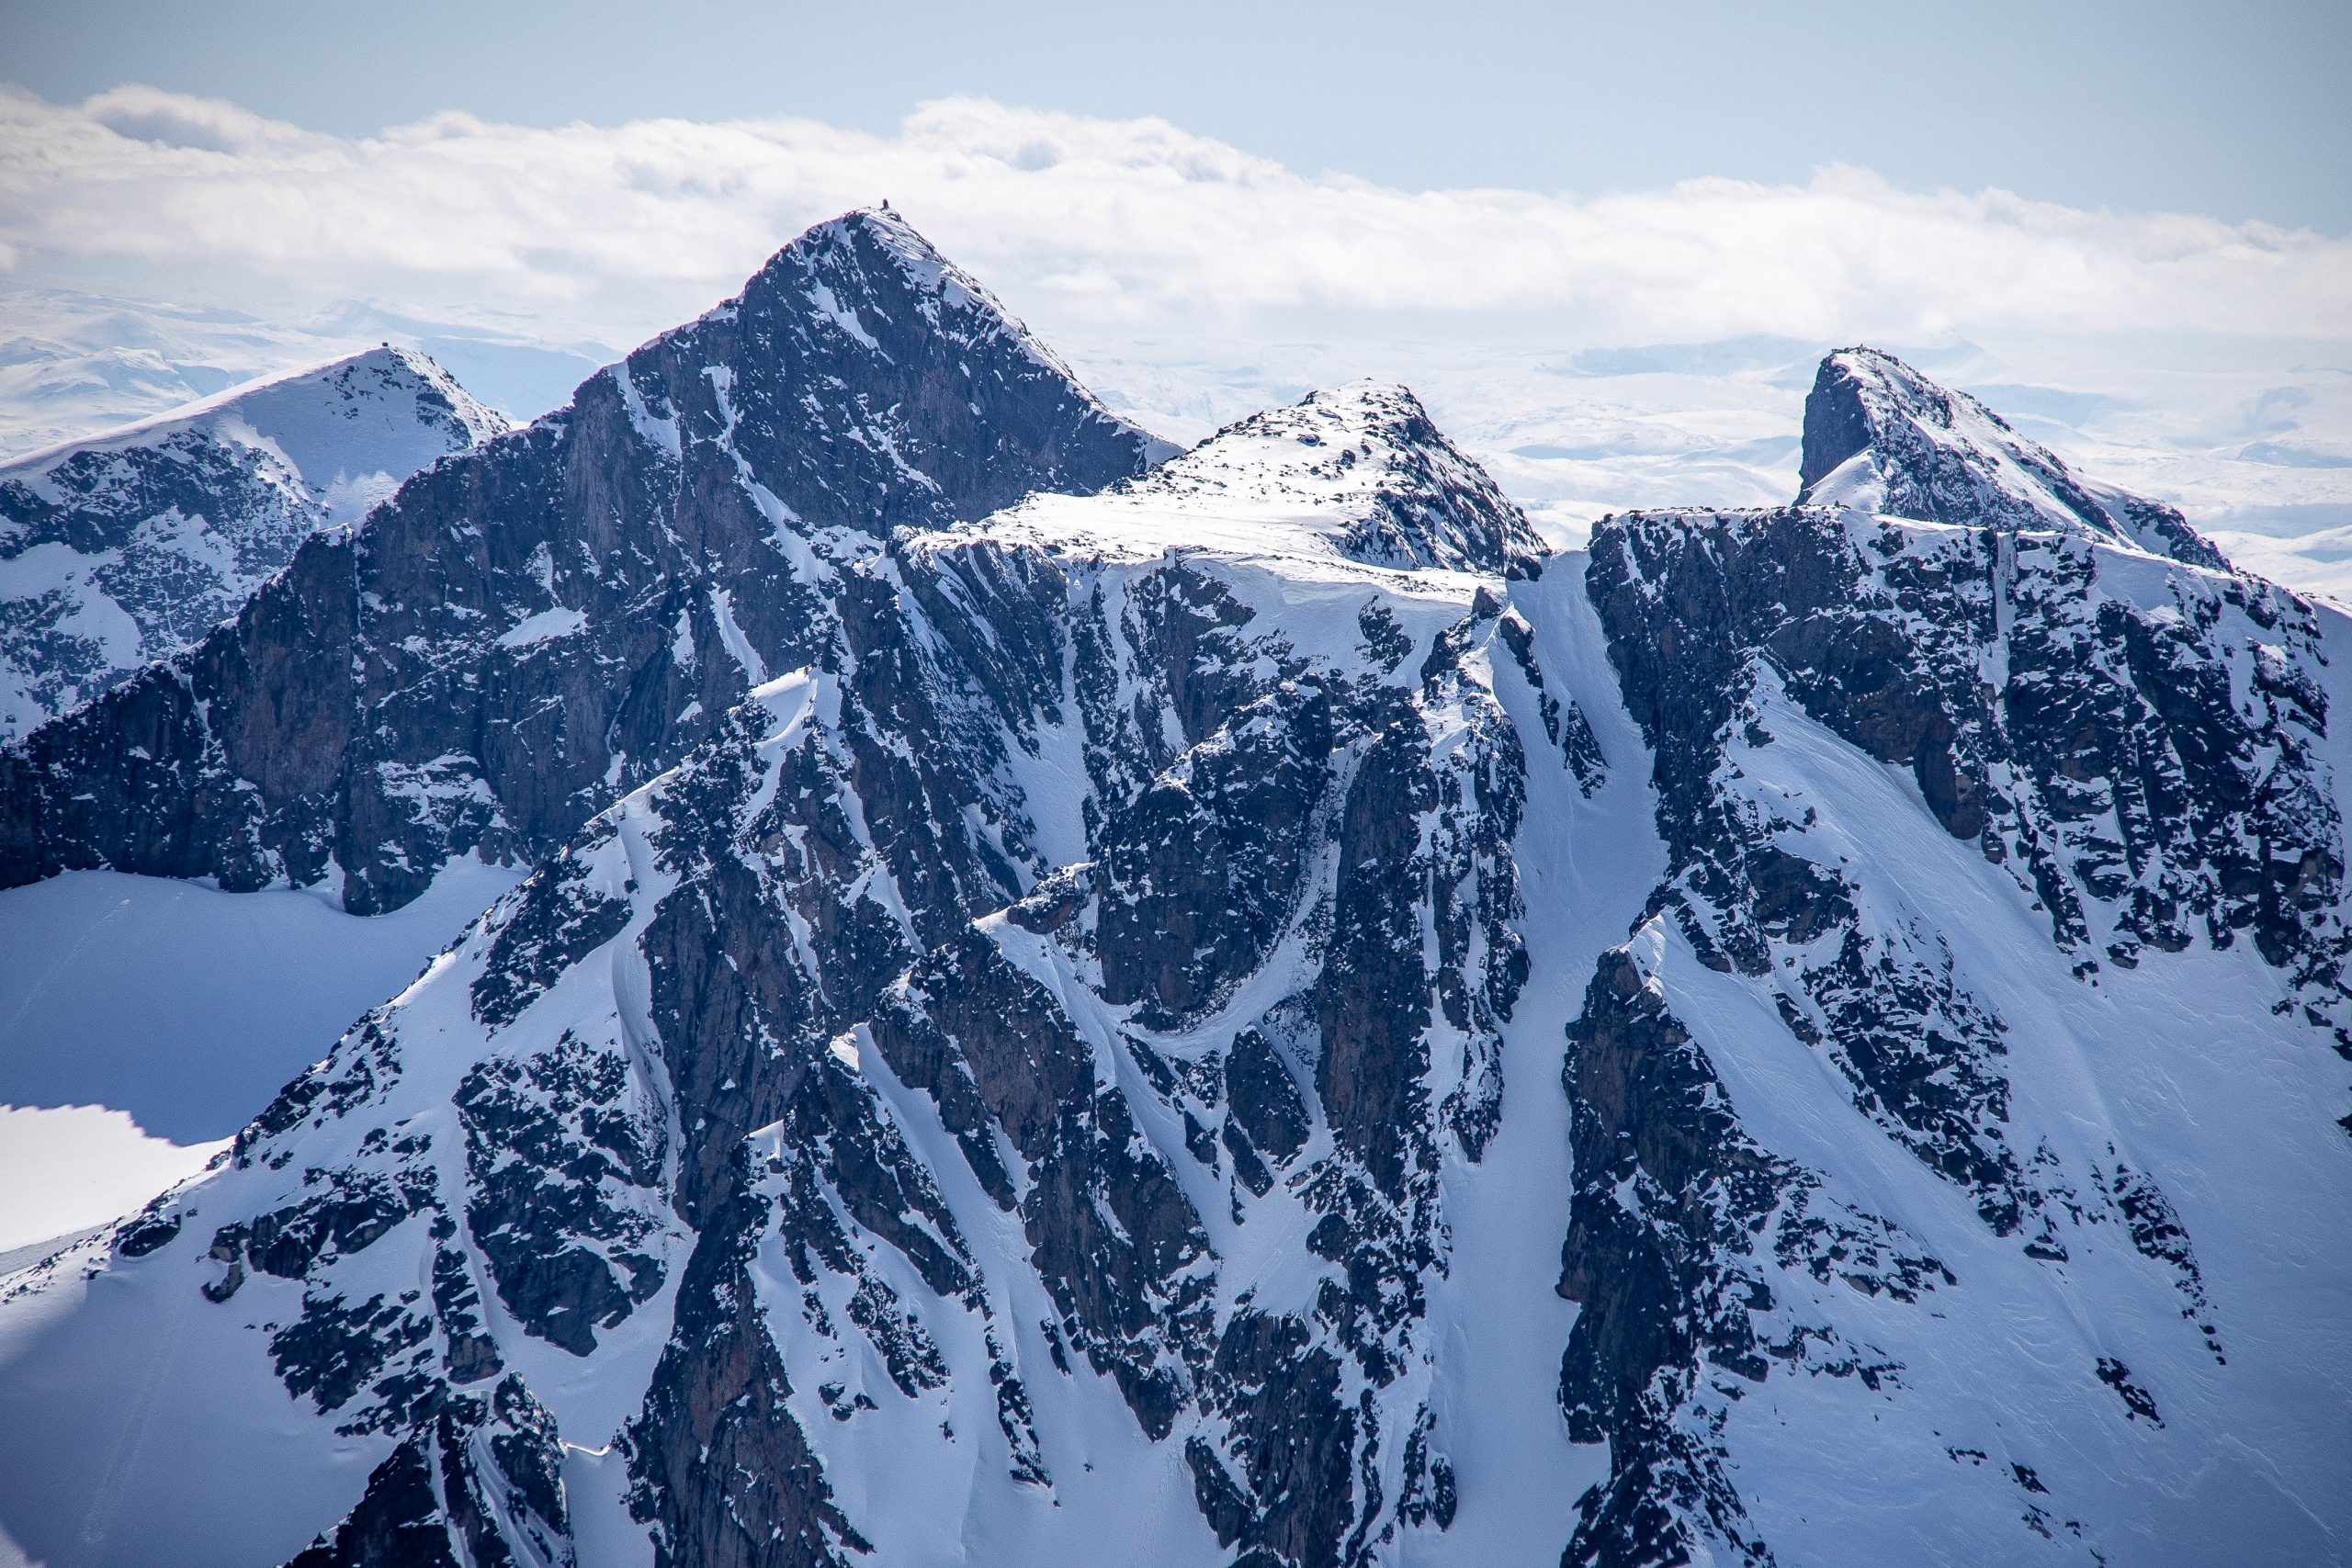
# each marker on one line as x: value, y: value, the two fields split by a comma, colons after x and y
x: 1110, y: 1023
x: 458, y: 661
x: 1881, y: 436
x: 124, y: 547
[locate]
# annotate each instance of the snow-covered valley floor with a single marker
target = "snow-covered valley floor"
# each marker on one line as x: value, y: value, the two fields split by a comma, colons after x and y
x: 142, y: 1021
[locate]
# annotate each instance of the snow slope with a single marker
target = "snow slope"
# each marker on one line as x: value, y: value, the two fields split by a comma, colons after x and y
x: 143, y: 1020
x: 122, y: 549
x: 1251, y: 1018
x: 70, y: 1168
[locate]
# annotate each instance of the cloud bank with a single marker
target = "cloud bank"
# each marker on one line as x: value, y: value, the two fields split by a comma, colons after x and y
x: 1090, y: 227
x: 1191, y: 282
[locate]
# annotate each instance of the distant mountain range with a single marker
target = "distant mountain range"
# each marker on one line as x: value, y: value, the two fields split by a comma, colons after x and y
x: 1076, y: 1001
x: 75, y: 364
x: 122, y: 550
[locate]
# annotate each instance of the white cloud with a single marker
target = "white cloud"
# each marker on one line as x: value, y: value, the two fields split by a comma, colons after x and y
x: 1193, y: 281
x: 174, y: 119
x: 1091, y: 225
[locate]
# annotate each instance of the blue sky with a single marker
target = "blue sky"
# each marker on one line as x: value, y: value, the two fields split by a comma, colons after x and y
x: 2236, y: 111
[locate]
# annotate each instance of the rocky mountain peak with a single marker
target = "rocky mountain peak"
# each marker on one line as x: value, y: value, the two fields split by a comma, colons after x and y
x: 1358, y: 470
x: 514, y: 641
x: 1881, y: 436
x: 864, y: 381
x: 1855, y: 391
x: 875, y: 256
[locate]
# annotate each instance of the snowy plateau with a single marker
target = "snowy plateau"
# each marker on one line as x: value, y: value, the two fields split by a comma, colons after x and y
x: 940, y: 981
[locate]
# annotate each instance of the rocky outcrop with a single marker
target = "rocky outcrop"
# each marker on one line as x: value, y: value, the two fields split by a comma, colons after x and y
x: 1365, y: 467
x: 519, y: 636
x: 1679, y: 1223
x: 1881, y: 436
x: 480, y: 1482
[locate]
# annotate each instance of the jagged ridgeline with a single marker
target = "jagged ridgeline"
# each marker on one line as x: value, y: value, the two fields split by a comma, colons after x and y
x: 519, y: 636
x: 122, y: 549
x: 1244, y: 1013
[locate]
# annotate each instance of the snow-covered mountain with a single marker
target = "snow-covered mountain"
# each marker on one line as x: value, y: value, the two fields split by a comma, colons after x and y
x: 516, y: 638
x: 1246, y: 1017
x: 73, y: 364
x: 1881, y: 436
x: 123, y: 550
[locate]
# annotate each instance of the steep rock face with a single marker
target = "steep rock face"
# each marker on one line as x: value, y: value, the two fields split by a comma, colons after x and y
x: 1109, y: 1044
x: 518, y: 636
x: 2134, y: 756
x: 125, y: 548
x: 911, y: 1130
x: 2140, y: 747
x: 1883, y: 437
x: 1681, y: 1278
x: 1059, y: 1068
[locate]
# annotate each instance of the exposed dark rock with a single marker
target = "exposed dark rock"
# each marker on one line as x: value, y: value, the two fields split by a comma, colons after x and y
x: 355, y: 1209
x: 1067, y: 928
x: 1266, y: 1100
x: 434, y: 686
x: 1292, y: 1437
x: 560, y: 923
x: 553, y: 1142
x: 150, y: 1230
x: 2114, y: 714
x: 1942, y: 456
x: 1671, y: 1196
x: 1565, y: 727
x: 1398, y: 492
x: 472, y: 1355
x: 1373, y: 999
x: 997, y: 1029
x: 335, y: 1348
x: 1111, y: 1234
x: 1200, y: 873
x: 2137, y: 1400
x: 451, y: 1493
x: 397, y: 1524
x: 723, y: 1472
